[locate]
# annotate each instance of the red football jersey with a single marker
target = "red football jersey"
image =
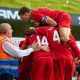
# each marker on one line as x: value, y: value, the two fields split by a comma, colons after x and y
x: 59, y: 48
x: 42, y: 40
x: 63, y: 19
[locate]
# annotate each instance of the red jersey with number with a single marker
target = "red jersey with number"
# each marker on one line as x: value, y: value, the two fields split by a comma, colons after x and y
x: 63, y: 19
x: 27, y: 60
x: 58, y: 48
x: 42, y: 40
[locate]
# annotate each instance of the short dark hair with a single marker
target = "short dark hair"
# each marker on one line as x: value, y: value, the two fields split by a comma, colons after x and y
x: 29, y: 32
x: 23, y: 10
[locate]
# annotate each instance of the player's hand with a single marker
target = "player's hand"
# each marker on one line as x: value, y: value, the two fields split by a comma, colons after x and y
x: 35, y: 46
x: 44, y: 48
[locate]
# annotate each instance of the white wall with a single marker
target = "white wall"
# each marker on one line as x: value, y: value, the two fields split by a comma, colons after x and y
x: 78, y: 44
x: 17, y: 40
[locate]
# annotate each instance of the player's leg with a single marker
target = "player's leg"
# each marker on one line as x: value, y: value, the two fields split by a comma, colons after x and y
x: 59, y: 69
x: 49, y: 73
x: 69, y: 70
x: 42, y: 69
x: 24, y: 68
x: 65, y: 32
x: 37, y: 69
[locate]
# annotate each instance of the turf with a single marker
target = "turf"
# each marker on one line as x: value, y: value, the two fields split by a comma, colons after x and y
x: 73, y: 6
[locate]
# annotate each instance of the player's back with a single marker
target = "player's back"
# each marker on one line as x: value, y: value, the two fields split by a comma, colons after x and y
x: 59, y: 48
x: 37, y: 14
x: 42, y: 41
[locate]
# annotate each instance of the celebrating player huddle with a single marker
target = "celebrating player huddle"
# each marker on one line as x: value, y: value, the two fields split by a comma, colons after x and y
x: 48, y: 51
x: 55, y: 25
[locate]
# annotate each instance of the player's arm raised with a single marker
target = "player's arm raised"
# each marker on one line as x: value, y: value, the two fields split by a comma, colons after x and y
x: 49, y: 21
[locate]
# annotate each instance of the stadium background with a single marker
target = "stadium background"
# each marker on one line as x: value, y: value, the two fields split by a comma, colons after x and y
x: 70, y: 6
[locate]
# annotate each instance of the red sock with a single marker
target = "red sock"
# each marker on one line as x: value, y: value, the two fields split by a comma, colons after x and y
x: 72, y: 44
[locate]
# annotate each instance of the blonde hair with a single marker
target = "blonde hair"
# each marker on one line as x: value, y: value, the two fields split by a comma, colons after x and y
x: 3, y: 27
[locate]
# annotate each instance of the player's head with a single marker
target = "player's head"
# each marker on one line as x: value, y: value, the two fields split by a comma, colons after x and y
x: 25, y: 13
x: 29, y: 32
x: 6, y: 29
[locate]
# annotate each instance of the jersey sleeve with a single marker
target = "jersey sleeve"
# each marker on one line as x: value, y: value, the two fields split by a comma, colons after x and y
x: 21, y: 43
x: 15, y: 51
x: 27, y: 40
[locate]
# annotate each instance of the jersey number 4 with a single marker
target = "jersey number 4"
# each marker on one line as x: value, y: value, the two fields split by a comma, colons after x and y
x: 56, y: 36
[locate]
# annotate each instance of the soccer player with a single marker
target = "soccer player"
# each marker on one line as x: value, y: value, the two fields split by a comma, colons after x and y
x: 38, y: 66
x: 62, y: 57
x: 56, y: 18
